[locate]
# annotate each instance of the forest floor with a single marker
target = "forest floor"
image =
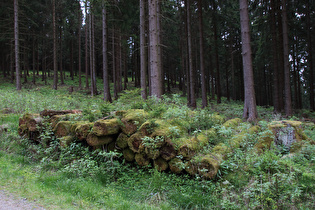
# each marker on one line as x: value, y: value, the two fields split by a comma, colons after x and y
x: 14, y: 202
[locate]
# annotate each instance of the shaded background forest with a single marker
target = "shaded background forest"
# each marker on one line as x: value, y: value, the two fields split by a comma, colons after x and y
x: 78, y: 35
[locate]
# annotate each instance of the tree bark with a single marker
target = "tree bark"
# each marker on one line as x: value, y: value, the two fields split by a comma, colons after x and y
x: 55, y: 47
x: 143, y: 51
x: 155, y: 76
x: 310, y: 56
x: 202, y: 62
x: 16, y: 44
x: 86, y: 51
x: 79, y: 43
x: 107, y: 96
x: 287, y: 88
x: 190, y: 61
x: 250, y: 111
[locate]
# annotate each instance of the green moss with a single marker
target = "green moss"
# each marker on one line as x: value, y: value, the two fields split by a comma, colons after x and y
x: 152, y: 153
x: 264, y: 141
x: 232, y: 123
x: 95, y: 141
x: 63, y: 128
x: 160, y: 164
x: 66, y: 140
x: 168, y: 151
x: 122, y: 141
x: 221, y: 149
x: 209, y: 165
x: 135, y: 142
x: 236, y: 140
x: 189, y: 147
x: 217, y: 119
x: 132, y: 119
x: 75, y: 125
x: 176, y: 165
x: 142, y: 159
x: 106, y: 127
x: 83, y: 130
x: 129, y: 155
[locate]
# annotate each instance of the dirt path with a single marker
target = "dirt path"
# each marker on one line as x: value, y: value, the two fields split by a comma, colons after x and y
x: 8, y: 201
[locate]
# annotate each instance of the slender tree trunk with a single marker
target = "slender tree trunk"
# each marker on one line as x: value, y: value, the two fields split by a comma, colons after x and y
x: 217, y: 77
x: 34, y: 64
x: 60, y: 57
x: 55, y: 47
x: 93, y: 56
x: 202, y: 63
x: 287, y: 89
x: 79, y: 43
x: 310, y: 56
x: 155, y: 76
x: 86, y: 51
x: 276, y: 94
x: 71, y: 58
x: 191, y: 68
x: 114, y: 63
x: 107, y: 96
x: 17, y: 46
x: 250, y: 111
x: 143, y: 51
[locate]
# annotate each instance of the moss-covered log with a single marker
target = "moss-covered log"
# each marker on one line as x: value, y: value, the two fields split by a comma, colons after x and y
x: 190, y: 147
x: 135, y: 142
x: 30, y: 126
x: 83, y: 130
x: 176, y: 165
x: 63, y: 128
x: 160, y: 164
x: 168, y: 151
x: 50, y: 113
x: 232, y: 123
x: 94, y: 140
x: 106, y: 127
x: 132, y: 119
x: 129, y: 155
x: 142, y: 159
x: 206, y: 166
x: 122, y: 141
x: 66, y: 140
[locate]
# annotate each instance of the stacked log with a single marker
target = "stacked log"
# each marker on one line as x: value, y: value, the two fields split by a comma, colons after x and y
x: 161, y: 143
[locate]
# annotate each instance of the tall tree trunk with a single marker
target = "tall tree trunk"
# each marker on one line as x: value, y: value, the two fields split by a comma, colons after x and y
x: 155, y: 76
x: 310, y: 56
x: 287, y: 87
x: 55, y: 47
x: 190, y: 61
x: 202, y: 62
x: 79, y: 43
x: 16, y: 44
x: 250, y: 111
x: 93, y: 56
x: 276, y: 89
x: 114, y: 63
x: 34, y: 64
x: 143, y: 51
x: 216, y: 48
x: 107, y: 96
x: 86, y: 50
x: 60, y: 57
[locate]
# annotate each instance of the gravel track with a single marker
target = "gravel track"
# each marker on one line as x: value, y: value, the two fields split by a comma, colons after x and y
x: 9, y: 201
